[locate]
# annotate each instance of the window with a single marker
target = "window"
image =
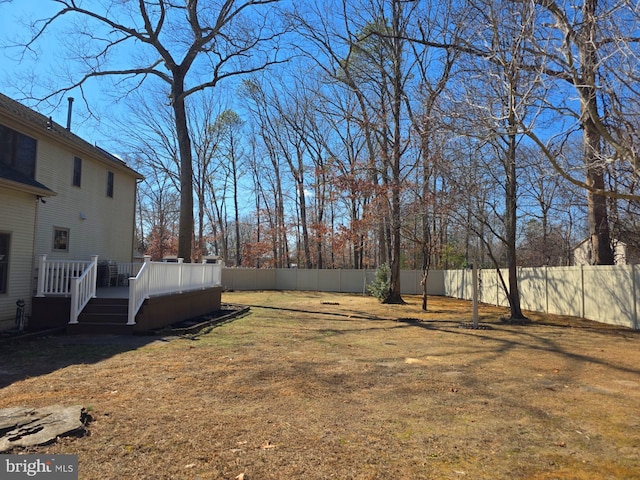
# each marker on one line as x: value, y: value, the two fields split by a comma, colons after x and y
x: 110, y: 184
x: 60, y: 239
x: 18, y: 151
x: 4, y: 261
x: 77, y: 171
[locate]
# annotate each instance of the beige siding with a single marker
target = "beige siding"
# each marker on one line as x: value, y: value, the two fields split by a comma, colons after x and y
x: 17, y: 215
x: 97, y: 224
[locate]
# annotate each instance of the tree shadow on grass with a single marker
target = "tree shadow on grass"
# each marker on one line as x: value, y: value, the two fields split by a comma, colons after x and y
x: 535, y: 336
x: 35, y: 356
x: 20, y: 360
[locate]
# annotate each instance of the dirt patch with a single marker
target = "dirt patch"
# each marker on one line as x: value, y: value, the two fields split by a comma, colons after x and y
x: 317, y: 386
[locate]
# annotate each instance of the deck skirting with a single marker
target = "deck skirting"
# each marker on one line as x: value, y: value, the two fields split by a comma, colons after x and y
x: 157, y: 311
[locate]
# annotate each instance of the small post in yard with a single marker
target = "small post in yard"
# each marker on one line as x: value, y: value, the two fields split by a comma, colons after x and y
x: 474, y: 293
x: 474, y: 279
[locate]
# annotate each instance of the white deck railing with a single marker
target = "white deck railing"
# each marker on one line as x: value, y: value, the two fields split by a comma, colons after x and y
x: 126, y: 271
x: 78, y: 280
x: 54, y: 276
x: 83, y: 289
x: 159, y: 278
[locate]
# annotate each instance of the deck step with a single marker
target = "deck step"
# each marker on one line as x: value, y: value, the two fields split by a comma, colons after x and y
x: 103, y: 315
x: 106, y: 305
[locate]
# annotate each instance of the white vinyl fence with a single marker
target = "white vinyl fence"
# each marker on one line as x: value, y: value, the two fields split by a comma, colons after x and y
x: 607, y: 294
x: 343, y: 280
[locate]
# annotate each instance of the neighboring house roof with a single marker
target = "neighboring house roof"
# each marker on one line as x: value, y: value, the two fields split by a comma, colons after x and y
x: 10, y: 178
x: 53, y: 130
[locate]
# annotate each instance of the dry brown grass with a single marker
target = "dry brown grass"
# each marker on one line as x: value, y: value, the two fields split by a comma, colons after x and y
x: 318, y: 386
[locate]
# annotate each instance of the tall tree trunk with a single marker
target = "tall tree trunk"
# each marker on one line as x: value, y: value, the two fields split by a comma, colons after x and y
x: 303, y: 220
x: 602, y: 253
x: 185, y: 230
x: 511, y: 222
x: 396, y: 153
x: 511, y: 187
x: 234, y: 173
x: 283, y: 247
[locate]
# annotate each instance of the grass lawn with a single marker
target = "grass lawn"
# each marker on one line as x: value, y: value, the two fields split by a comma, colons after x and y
x: 335, y: 386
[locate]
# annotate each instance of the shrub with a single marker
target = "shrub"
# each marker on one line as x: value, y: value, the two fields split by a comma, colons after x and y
x: 379, y: 287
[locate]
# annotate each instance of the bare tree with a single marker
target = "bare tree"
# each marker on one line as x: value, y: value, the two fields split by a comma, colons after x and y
x: 227, y: 126
x: 590, y: 50
x: 274, y: 196
x: 497, y: 104
x: 189, y: 47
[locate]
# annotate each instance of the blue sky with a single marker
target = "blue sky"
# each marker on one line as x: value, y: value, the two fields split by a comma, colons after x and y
x: 110, y: 116
x: 46, y: 67
x: 20, y: 69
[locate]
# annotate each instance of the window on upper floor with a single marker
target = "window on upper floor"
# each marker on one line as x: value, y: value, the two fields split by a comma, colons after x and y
x: 77, y: 171
x: 18, y: 151
x: 110, y: 184
x: 4, y: 261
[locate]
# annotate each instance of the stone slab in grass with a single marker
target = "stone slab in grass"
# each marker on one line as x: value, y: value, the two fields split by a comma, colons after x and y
x: 28, y: 427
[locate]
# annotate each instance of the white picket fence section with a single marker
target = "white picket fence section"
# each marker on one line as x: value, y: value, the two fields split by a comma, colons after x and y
x: 607, y: 294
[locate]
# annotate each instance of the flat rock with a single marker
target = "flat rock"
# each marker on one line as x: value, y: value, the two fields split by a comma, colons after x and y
x: 27, y: 427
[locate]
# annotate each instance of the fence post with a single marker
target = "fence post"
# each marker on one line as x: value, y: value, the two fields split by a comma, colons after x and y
x: 94, y: 274
x: 75, y: 293
x: 474, y: 283
x: 41, y: 275
x: 131, y: 316
x: 634, y: 284
x: 582, y: 308
x: 546, y: 289
x: 147, y: 279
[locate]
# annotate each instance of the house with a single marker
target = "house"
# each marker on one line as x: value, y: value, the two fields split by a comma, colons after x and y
x: 59, y: 196
x: 67, y: 208
x: 624, y: 252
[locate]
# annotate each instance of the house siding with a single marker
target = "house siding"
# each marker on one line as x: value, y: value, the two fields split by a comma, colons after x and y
x: 98, y: 224
x: 17, y: 217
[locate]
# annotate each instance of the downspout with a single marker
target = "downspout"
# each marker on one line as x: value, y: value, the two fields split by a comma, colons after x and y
x: 33, y: 258
x: 133, y: 220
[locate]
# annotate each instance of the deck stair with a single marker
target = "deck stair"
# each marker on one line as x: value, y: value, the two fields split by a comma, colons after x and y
x: 103, y: 315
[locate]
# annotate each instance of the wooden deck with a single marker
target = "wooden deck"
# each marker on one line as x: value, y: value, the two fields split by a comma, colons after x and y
x: 105, y: 313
